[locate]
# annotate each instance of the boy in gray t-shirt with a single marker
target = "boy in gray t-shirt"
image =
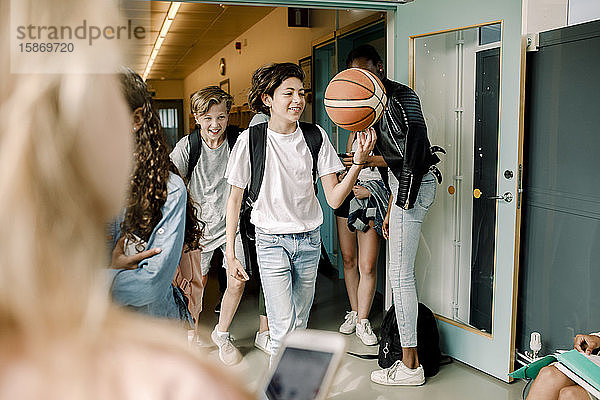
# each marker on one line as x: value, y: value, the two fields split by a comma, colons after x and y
x: 210, y: 190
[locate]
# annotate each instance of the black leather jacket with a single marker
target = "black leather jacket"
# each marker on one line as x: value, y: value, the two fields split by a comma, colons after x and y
x: 403, y: 143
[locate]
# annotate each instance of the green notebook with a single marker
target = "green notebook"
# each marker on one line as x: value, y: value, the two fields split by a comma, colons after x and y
x: 531, y: 371
x: 585, y: 367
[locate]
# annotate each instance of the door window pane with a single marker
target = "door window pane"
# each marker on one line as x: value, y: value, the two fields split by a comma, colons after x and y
x: 168, y: 120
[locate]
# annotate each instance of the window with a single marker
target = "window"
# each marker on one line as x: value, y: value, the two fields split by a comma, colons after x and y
x: 490, y: 34
x: 168, y: 117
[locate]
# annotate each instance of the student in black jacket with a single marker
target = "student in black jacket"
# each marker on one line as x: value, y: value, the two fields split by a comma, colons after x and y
x: 405, y: 149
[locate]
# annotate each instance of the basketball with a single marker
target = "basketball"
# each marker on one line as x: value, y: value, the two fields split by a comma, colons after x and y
x: 355, y: 99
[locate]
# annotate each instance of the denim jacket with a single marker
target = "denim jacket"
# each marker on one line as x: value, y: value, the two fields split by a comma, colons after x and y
x: 148, y: 288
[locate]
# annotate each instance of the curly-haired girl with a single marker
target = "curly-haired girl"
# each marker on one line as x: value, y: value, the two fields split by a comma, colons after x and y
x: 159, y: 214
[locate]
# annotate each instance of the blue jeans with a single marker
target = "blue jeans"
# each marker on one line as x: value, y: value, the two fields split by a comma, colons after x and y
x: 288, y: 272
x: 405, y: 231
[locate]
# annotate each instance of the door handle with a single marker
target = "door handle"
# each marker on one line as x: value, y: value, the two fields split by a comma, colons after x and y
x: 507, y: 197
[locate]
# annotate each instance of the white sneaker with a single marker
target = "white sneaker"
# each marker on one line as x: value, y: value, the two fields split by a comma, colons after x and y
x: 263, y: 342
x: 350, y: 323
x: 365, y: 332
x: 228, y: 353
x: 399, y: 375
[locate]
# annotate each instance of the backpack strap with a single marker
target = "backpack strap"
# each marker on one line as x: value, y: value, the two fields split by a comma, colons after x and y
x: 314, y: 140
x: 194, y: 141
x: 363, y: 356
x: 258, y: 151
x: 232, y: 133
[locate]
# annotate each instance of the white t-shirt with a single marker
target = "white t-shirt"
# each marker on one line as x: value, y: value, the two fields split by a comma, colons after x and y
x: 286, y: 202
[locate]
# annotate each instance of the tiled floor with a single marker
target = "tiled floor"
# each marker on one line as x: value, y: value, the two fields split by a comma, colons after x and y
x: 454, y: 381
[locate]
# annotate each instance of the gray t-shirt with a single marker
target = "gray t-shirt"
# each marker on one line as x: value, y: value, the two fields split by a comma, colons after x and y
x: 208, y: 187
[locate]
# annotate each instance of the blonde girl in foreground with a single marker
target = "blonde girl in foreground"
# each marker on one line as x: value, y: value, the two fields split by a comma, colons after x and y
x: 65, y: 148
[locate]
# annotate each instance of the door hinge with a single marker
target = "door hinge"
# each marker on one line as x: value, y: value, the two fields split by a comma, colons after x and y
x: 533, y: 42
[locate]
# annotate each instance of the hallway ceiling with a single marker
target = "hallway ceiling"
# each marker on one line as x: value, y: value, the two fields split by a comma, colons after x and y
x: 198, y: 32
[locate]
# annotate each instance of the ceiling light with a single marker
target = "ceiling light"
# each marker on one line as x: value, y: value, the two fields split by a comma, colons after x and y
x: 159, y: 42
x: 173, y: 10
x: 164, y: 29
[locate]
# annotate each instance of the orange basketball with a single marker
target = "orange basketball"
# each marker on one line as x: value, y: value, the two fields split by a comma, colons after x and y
x: 355, y: 99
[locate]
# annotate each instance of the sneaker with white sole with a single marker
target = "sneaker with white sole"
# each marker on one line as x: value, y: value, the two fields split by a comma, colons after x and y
x: 365, y: 332
x: 350, y: 323
x: 228, y: 353
x: 399, y: 375
x: 263, y: 342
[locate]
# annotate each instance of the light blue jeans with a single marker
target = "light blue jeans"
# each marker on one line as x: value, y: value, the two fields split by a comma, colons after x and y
x: 288, y: 271
x: 405, y: 231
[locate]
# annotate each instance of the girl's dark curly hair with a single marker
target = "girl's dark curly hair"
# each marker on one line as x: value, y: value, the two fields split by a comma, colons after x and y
x: 148, y: 188
x: 268, y: 78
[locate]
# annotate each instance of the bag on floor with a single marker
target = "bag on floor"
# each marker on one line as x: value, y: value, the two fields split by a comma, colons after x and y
x: 428, y: 341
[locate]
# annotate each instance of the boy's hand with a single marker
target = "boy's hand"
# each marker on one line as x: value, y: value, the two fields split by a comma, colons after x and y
x: 366, y: 143
x: 361, y: 192
x: 385, y: 227
x: 236, y: 270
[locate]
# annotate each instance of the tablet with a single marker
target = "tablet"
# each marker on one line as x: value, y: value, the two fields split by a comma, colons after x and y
x: 305, y: 366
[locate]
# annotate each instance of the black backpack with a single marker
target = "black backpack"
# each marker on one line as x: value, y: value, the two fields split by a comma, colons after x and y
x: 257, y: 149
x: 231, y: 133
x: 428, y: 341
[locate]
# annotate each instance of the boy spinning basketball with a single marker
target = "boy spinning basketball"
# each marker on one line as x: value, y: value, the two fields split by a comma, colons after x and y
x: 286, y: 213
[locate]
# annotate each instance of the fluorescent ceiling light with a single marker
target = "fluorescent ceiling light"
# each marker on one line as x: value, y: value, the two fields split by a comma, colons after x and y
x: 173, y: 10
x: 164, y: 29
x: 159, y: 42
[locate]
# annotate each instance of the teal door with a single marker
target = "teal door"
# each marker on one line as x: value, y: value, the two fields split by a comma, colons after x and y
x: 470, y: 90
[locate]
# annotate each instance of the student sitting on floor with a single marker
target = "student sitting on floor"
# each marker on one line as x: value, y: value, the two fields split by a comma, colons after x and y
x: 551, y: 384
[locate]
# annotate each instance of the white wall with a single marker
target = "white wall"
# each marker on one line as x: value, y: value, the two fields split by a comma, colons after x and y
x: 270, y: 40
x: 580, y: 11
x: 544, y: 15
x: 166, y: 89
